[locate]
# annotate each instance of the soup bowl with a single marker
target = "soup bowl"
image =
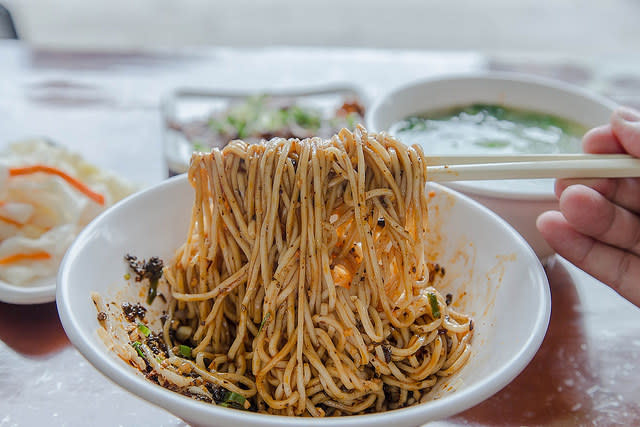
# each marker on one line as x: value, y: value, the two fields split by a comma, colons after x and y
x: 518, y: 201
x: 491, y: 271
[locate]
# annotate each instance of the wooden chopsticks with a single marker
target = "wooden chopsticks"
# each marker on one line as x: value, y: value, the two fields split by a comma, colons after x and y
x: 471, y: 168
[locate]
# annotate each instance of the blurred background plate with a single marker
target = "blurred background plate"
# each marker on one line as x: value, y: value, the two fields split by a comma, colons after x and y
x: 201, y: 119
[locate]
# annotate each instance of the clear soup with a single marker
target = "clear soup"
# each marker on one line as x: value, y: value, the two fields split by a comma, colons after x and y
x: 482, y: 129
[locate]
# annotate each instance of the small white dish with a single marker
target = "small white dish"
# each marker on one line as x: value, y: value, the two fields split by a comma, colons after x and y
x: 519, y: 202
x: 41, y: 291
x: 506, y: 291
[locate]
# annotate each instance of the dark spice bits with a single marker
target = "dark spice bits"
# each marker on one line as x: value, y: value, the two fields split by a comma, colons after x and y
x: 391, y: 394
x: 199, y: 397
x: 156, y: 343
x: 381, y: 222
x: 217, y: 392
x: 102, y: 316
x: 386, y: 350
x: 151, y: 269
x: 448, y: 298
x: 133, y: 311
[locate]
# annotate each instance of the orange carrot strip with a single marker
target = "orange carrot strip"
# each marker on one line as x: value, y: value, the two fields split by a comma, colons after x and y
x: 96, y: 197
x: 10, y: 221
x: 24, y: 257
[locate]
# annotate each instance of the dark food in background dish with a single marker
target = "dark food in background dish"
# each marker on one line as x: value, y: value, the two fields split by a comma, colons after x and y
x: 266, y: 117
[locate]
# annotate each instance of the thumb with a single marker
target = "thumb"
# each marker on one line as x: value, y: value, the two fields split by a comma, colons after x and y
x: 625, y: 125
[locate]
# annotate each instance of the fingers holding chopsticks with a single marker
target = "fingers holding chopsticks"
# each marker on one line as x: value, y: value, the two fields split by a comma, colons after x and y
x: 601, y: 140
x: 624, y: 192
x: 591, y: 214
x: 598, y: 226
x: 616, y: 267
x: 621, y: 135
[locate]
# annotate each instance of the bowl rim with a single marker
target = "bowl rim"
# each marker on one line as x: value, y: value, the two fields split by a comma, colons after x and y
x: 29, y: 294
x: 114, y: 369
x: 373, y: 124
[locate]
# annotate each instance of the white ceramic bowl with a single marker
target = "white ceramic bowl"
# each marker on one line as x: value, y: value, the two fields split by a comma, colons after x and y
x: 507, y: 293
x: 518, y: 202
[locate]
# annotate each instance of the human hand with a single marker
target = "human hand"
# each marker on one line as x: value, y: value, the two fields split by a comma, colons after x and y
x: 598, y: 226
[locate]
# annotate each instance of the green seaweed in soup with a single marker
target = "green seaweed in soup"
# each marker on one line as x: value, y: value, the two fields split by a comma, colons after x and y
x: 485, y: 128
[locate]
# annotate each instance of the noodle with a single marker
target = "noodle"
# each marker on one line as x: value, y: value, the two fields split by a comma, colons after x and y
x: 304, y: 284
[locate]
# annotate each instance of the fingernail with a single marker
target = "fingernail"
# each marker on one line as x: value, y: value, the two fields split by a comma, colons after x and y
x: 628, y: 114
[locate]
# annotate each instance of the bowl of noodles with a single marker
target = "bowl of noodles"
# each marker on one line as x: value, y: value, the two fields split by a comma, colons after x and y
x: 305, y: 282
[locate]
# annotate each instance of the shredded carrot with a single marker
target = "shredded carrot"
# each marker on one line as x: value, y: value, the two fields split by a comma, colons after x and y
x: 10, y: 221
x: 24, y: 257
x: 96, y: 197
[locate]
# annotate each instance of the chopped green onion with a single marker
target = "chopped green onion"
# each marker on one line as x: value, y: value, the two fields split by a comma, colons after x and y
x: 264, y: 321
x: 136, y: 345
x: 308, y: 119
x: 127, y: 276
x: 232, y: 397
x: 351, y: 121
x: 239, y: 125
x: 153, y: 291
x: 185, y: 350
x: 435, y: 307
x: 142, y: 328
x: 198, y: 146
x: 492, y: 144
x: 224, y: 404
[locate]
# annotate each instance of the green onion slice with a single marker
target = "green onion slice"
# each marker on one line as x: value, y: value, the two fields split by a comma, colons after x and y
x: 145, y: 331
x: 435, y: 307
x: 136, y: 345
x: 185, y: 350
x: 264, y: 321
x: 232, y: 397
x: 153, y: 291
